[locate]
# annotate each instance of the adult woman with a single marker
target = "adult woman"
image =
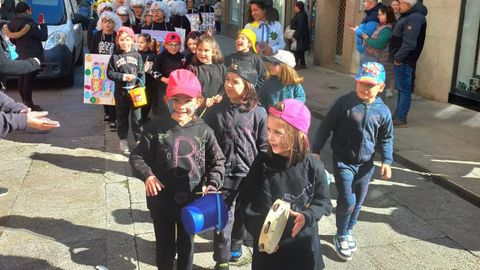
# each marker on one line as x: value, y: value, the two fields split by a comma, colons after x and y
x: 178, y: 19
x: 138, y: 7
x: 125, y: 15
x: 28, y: 46
x: 263, y: 20
x: 161, y: 15
x: 299, y: 23
x: 395, y: 4
x: 377, y: 45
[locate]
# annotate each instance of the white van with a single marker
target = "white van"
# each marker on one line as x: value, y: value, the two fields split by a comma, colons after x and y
x: 64, y: 46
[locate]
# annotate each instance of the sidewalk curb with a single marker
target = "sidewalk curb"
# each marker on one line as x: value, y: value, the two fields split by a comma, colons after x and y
x: 438, y: 180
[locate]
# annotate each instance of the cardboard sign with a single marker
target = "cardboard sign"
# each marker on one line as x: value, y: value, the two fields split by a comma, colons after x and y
x: 194, y: 21
x: 160, y: 35
x: 208, y: 21
x: 97, y: 89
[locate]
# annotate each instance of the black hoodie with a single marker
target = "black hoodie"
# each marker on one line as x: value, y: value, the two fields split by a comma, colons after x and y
x: 408, y: 35
x: 184, y: 158
x: 29, y: 45
x: 304, y: 186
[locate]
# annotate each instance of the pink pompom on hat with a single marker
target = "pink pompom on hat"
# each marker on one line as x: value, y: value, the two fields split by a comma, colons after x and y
x: 294, y: 113
x: 183, y: 82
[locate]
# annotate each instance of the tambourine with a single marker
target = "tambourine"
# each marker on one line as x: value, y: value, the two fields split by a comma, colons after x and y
x: 273, y: 226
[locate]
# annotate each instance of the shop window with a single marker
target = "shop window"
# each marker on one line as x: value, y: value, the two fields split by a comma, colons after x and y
x: 467, y: 83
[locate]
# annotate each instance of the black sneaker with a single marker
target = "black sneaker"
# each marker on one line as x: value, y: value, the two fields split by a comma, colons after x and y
x: 106, y: 118
x: 113, y: 126
x: 400, y: 123
x: 236, y: 253
x: 3, y: 191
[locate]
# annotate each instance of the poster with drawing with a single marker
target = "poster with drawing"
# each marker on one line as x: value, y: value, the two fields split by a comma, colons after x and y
x: 160, y: 35
x: 208, y: 22
x: 194, y: 21
x: 97, y: 89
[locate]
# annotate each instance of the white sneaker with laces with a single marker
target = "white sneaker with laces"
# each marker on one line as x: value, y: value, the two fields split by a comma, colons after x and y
x: 124, y: 147
x: 352, y: 242
x: 342, y: 248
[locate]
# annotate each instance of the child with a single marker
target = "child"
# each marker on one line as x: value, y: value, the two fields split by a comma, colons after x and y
x: 191, y: 46
x: 357, y: 120
x: 151, y: 85
x: 288, y: 172
x: 244, y: 44
x: 284, y: 81
x: 169, y: 60
x: 209, y: 68
x: 125, y: 68
x: 241, y: 130
x: 103, y: 42
x: 176, y: 158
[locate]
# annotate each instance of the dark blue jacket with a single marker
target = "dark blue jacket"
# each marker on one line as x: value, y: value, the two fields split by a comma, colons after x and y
x: 241, y: 134
x: 357, y: 128
x: 408, y: 35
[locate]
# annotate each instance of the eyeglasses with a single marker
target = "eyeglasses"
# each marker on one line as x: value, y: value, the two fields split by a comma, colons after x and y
x: 156, y: 10
x: 108, y: 21
x: 173, y: 45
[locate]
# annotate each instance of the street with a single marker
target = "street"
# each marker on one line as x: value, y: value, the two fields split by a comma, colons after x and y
x: 73, y: 203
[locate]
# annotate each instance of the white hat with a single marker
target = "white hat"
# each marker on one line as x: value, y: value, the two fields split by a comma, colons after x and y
x: 102, y: 6
x: 177, y: 7
x: 282, y: 56
x: 111, y: 16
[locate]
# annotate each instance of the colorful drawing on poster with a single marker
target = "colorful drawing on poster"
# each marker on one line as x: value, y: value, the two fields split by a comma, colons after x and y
x: 194, y: 21
x: 98, y: 89
x: 160, y: 36
x: 208, y: 22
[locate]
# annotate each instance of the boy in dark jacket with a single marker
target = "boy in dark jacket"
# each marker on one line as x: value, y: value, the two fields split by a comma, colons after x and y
x: 358, y: 121
x: 245, y: 46
x: 177, y: 157
x: 125, y: 69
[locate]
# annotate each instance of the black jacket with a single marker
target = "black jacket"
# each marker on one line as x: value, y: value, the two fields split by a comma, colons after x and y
x: 165, y: 26
x: 299, y: 23
x: 304, y: 186
x: 241, y: 134
x: 183, y: 159
x: 91, y: 30
x: 211, y: 78
x: 30, y: 45
x: 408, y: 35
x: 181, y: 22
x: 166, y: 63
x: 256, y: 61
x: 102, y: 44
x: 124, y: 63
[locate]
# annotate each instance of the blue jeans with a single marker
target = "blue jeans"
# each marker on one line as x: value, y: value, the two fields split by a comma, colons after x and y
x: 352, y: 185
x: 404, y: 85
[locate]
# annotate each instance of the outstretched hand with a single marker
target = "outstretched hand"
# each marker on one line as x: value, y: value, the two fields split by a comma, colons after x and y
x: 37, y: 120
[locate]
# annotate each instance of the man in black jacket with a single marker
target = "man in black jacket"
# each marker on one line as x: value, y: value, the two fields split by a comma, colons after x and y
x: 405, y: 48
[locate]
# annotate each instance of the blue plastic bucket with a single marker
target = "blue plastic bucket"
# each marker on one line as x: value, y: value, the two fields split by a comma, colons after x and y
x: 207, y: 213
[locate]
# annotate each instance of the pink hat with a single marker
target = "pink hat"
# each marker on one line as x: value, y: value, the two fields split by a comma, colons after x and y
x: 294, y: 113
x: 126, y: 30
x: 183, y: 82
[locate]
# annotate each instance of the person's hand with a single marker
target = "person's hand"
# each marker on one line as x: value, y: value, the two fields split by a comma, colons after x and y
x: 209, y: 189
x: 27, y: 110
x: 129, y: 77
x: 386, y: 171
x: 217, y: 98
x: 354, y: 28
x: 153, y: 186
x: 164, y: 80
x: 148, y: 66
x: 364, y: 36
x: 396, y: 63
x: 209, y: 102
x: 298, y: 221
x: 37, y: 120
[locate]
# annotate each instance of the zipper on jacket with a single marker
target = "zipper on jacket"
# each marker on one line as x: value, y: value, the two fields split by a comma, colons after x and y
x: 364, y: 123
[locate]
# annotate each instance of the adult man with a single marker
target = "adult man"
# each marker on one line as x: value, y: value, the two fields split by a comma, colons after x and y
x: 367, y: 26
x: 405, y: 48
x: 16, y: 116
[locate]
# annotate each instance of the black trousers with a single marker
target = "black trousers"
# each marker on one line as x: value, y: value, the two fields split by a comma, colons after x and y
x: 124, y: 108
x: 25, y: 87
x: 300, y: 58
x: 110, y: 111
x: 166, y: 244
x: 222, y: 240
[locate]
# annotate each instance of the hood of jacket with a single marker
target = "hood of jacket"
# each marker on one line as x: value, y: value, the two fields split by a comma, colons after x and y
x: 418, y: 8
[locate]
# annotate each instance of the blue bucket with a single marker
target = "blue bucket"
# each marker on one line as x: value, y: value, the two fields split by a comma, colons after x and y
x: 207, y: 213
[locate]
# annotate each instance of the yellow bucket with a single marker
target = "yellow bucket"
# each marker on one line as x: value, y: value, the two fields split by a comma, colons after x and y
x: 138, y: 95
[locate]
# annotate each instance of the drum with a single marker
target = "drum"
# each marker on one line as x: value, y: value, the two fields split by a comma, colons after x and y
x: 273, y: 226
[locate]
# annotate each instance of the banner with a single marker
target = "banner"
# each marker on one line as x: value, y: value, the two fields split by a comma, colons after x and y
x: 97, y: 89
x: 208, y: 21
x: 160, y: 35
x: 194, y: 19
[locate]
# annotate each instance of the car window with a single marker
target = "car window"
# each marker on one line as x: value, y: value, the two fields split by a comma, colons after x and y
x: 53, y: 10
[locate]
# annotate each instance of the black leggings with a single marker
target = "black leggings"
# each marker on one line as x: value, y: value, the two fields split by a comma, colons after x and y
x: 300, y: 58
x: 25, y: 87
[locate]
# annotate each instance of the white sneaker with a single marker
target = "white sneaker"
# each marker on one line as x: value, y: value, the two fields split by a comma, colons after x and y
x: 388, y: 93
x: 124, y: 147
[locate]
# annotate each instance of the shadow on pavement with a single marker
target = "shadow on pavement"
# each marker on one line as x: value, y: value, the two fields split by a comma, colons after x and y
x: 24, y: 263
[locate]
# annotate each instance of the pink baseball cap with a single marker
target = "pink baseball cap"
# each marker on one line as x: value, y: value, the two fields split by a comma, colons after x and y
x: 183, y: 82
x: 294, y: 113
x: 127, y: 30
